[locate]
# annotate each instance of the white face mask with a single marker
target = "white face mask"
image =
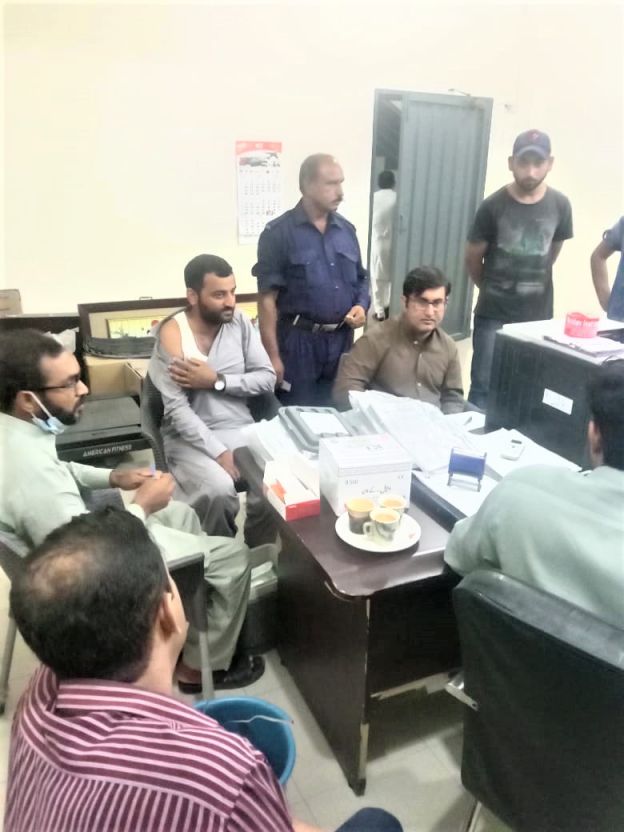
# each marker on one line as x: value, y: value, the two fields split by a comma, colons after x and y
x: 51, y: 424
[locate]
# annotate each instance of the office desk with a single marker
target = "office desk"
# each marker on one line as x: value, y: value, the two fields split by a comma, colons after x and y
x: 356, y: 628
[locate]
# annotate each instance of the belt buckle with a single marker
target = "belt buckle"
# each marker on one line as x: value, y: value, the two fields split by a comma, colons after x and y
x: 317, y: 327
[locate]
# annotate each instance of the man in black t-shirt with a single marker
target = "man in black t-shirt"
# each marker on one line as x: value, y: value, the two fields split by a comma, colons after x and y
x: 515, y: 238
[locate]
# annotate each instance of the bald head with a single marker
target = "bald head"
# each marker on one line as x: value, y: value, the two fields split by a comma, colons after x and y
x: 320, y: 182
x: 88, y: 596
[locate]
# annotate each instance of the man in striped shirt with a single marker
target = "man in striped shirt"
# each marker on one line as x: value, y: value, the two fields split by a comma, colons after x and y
x: 98, y: 742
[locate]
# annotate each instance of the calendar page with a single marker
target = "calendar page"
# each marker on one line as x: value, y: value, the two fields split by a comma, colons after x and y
x: 259, y: 181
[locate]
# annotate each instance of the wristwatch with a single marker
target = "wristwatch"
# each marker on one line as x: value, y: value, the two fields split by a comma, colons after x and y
x: 219, y: 384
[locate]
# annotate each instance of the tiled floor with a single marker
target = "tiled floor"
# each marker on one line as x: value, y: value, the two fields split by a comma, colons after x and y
x: 414, y: 758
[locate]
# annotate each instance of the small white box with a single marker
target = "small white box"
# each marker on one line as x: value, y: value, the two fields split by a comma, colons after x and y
x: 287, y: 494
x: 350, y: 466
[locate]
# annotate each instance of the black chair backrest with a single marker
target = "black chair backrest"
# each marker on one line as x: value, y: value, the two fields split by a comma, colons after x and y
x: 152, y: 412
x: 545, y: 750
x: 263, y: 406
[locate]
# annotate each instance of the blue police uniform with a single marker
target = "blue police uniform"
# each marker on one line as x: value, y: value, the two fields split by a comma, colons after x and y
x: 318, y: 278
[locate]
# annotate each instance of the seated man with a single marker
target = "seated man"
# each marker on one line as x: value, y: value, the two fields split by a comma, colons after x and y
x: 40, y: 393
x: 207, y: 361
x: 557, y: 530
x: 98, y: 742
x: 409, y: 355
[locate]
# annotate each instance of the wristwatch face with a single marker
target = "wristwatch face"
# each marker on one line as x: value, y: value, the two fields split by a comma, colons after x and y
x: 219, y: 384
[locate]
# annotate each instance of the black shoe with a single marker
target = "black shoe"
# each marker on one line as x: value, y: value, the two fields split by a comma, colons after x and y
x: 243, y: 671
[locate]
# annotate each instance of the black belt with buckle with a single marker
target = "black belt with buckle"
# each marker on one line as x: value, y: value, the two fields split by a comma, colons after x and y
x: 299, y: 322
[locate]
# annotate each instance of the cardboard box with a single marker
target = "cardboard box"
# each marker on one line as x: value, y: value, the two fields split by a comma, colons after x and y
x: 115, y: 376
x: 370, y: 466
x: 287, y: 494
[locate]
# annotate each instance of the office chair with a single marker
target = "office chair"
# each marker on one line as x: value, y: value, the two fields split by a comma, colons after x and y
x: 543, y: 682
x: 152, y: 411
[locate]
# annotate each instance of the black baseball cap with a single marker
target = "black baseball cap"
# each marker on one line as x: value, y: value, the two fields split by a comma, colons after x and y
x: 532, y: 141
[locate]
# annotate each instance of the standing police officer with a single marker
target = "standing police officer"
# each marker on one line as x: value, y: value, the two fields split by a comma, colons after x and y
x: 313, y: 286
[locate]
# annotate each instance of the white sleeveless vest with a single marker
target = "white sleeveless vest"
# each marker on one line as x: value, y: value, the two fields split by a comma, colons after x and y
x: 189, y: 345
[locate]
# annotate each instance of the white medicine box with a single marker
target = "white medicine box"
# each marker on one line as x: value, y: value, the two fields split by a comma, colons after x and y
x: 350, y: 466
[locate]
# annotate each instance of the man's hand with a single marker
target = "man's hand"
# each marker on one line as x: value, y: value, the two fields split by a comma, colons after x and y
x: 278, y: 366
x: 192, y: 374
x: 355, y: 317
x: 155, y: 493
x: 129, y: 478
x: 226, y: 461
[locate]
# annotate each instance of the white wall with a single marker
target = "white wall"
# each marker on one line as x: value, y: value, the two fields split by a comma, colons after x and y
x: 121, y: 122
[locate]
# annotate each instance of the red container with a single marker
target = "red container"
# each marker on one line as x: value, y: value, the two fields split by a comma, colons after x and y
x: 578, y: 325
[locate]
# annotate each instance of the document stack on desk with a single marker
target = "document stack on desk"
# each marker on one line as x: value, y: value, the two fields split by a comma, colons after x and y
x: 425, y: 433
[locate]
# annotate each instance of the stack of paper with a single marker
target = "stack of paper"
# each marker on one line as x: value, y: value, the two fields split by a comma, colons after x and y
x: 425, y: 433
x: 598, y: 346
x: 461, y: 494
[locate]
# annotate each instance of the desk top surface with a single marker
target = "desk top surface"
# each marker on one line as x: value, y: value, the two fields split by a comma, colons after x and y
x: 353, y: 572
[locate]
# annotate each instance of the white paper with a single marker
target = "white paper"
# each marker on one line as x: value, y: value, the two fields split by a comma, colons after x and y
x: 462, y: 493
x: 559, y: 402
x: 324, y: 423
x: 470, y: 420
x: 597, y: 346
x: 426, y: 434
x: 495, y: 443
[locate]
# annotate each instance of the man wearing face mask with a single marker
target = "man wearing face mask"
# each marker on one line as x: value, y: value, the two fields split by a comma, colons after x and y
x: 40, y: 393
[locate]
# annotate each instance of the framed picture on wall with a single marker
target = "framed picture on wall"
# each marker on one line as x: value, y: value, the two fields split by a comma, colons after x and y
x: 138, y: 318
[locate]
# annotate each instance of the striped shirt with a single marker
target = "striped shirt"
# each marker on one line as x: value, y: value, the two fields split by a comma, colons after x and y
x: 98, y: 756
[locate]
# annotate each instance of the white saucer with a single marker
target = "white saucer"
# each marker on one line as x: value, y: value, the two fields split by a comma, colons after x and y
x: 408, y: 534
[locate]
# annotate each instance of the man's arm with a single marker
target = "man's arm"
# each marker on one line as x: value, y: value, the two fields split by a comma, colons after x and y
x: 555, y: 250
x: 473, y: 543
x: 267, y: 321
x: 259, y: 375
x: 599, y: 272
x: 357, y: 369
x: 177, y: 408
x: 262, y: 799
x: 482, y: 234
x: 270, y: 271
x: 362, y: 297
x: 474, y: 260
x: 452, y: 393
x: 50, y: 500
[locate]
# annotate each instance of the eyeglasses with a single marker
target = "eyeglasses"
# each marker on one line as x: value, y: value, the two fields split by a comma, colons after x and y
x: 71, y: 384
x: 438, y: 304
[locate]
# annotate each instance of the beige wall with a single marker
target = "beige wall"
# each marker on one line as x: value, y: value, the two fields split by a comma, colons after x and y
x: 121, y: 122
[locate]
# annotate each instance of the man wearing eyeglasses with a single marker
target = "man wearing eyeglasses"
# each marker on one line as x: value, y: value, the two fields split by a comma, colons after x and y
x: 40, y: 393
x: 409, y: 355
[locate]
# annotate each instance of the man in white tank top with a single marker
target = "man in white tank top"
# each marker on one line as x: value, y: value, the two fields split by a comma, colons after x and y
x: 207, y: 362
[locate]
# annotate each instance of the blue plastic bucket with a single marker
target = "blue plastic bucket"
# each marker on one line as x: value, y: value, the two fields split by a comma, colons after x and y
x: 266, y: 726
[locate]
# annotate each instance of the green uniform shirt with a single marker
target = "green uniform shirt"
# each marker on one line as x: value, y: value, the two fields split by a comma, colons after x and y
x: 557, y: 530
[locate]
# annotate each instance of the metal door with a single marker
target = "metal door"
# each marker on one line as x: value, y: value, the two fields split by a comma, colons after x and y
x: 440, y: 181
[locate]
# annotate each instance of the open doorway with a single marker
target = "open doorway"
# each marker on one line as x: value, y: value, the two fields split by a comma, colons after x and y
x: 436, y: 148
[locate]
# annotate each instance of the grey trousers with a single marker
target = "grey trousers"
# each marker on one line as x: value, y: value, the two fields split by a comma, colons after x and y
x: 203, y: 484
x: 177, y: 531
